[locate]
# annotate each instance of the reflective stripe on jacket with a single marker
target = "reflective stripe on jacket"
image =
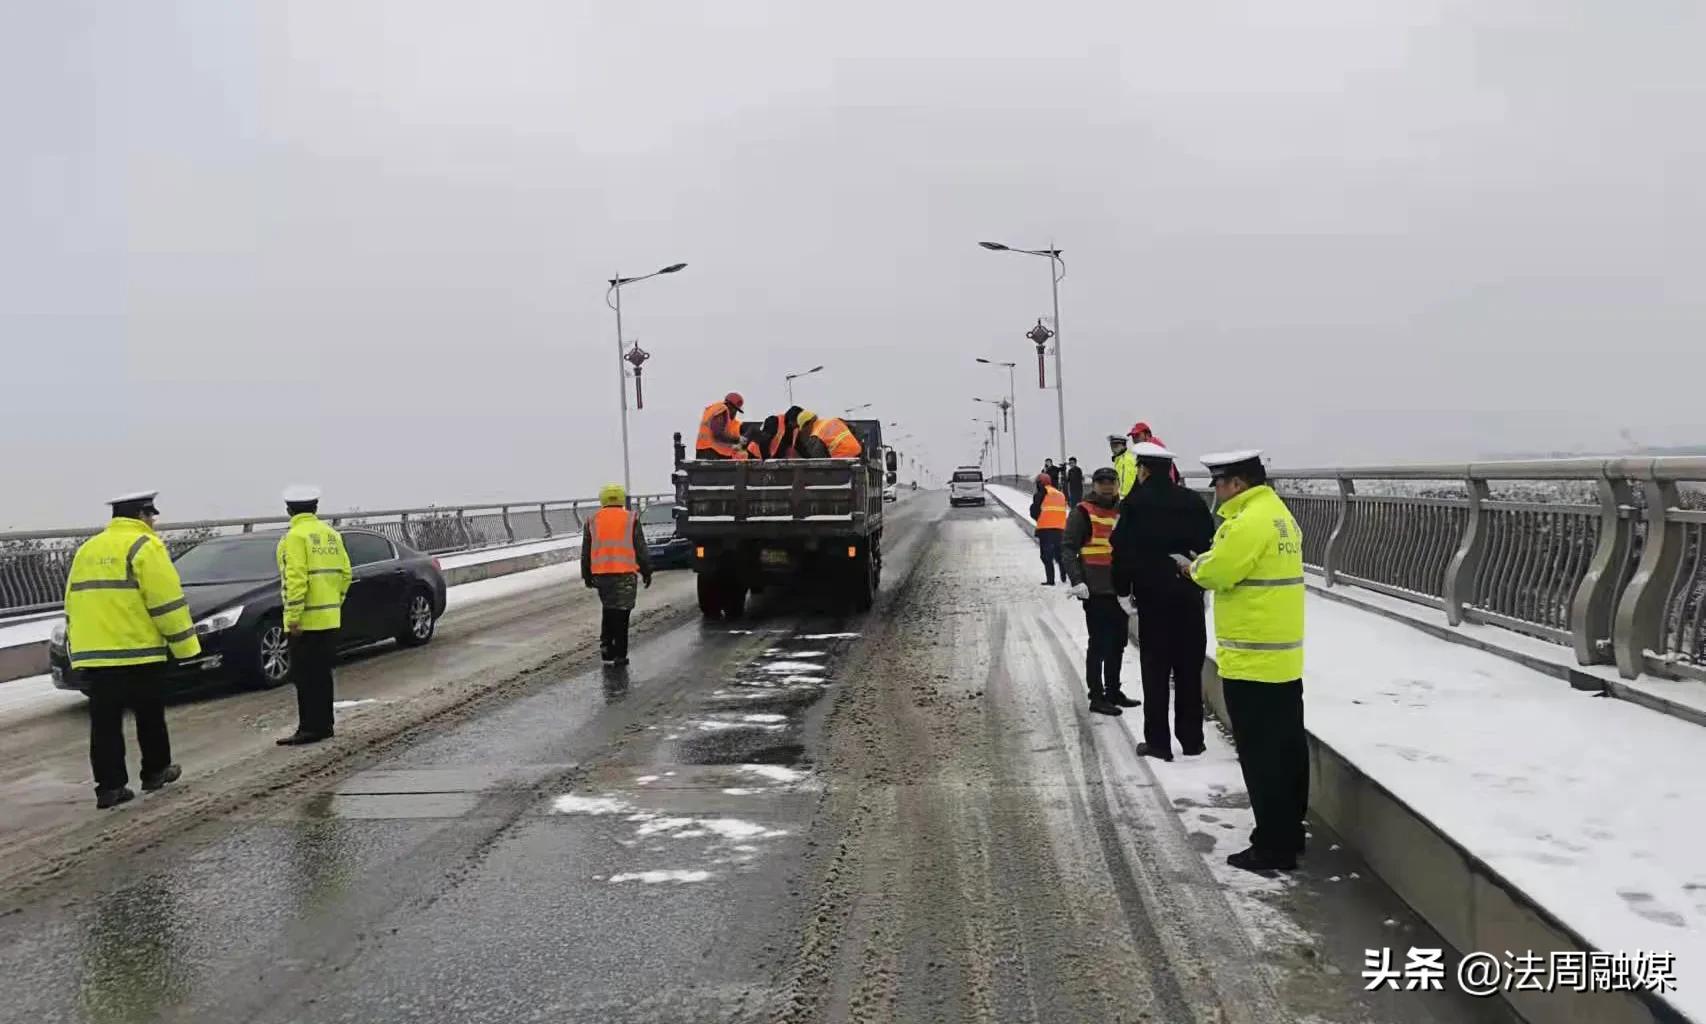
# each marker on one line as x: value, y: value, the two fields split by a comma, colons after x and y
x: 727, y: 444
x: 1053, y: 514
x: 124, y: 604
x: 314, y: 570
x: 838, y: 439
x: 1098, y: 549
x: 1255, y: 569
x: 613, y: 542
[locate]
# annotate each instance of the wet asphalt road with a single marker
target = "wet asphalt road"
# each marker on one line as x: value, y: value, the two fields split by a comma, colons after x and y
x: 903, y: 816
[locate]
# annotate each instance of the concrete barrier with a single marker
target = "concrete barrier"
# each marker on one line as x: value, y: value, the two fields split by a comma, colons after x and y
x: 21, y: 661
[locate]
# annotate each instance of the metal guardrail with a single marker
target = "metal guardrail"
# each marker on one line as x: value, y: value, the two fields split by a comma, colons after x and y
x: 1606, y: 556
x: 34, y: 563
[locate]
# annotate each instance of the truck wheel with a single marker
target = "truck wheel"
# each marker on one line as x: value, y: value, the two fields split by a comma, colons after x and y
x: 710, y: 597
x: 734, y: 600
x: 862, y: 583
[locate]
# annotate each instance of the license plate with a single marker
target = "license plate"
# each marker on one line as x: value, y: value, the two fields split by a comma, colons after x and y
x: 771, y: 556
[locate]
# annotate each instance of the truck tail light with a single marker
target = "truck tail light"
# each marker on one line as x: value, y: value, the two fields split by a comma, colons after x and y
x: 852, y: 552
x: 699, y: 552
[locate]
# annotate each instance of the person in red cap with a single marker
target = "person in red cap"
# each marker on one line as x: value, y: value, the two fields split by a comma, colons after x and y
x: 719, y: 430
x: 1140, y: 433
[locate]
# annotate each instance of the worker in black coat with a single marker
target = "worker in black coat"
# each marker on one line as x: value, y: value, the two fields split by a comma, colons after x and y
x: 1159, y: 519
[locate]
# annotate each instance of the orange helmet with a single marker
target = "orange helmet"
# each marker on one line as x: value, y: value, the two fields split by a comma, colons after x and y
x: 734, y: 400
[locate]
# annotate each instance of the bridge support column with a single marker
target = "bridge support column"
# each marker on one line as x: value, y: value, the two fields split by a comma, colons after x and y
x: 1459, y: 584
x: 1639, y: 626
x: 1595, y: 605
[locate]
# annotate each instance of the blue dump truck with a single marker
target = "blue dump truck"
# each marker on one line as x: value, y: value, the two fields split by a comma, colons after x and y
x: 785, y: 523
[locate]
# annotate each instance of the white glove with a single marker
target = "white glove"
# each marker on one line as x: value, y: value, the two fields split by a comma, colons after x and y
x: 1080, y: 591
x: 1128, y: 605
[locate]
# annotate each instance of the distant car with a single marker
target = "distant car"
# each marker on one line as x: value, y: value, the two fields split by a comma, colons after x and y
x: 667, y: 549
x: 966, y: 487
x: 232, y: 586
x: 891, y: 493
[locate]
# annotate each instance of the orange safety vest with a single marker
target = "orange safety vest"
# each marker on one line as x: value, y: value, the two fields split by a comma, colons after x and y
x: 838, y: 438
x: 1053, y: 515
x: 711, y: 442
x: 613, y: 542
x: 1099, y: 549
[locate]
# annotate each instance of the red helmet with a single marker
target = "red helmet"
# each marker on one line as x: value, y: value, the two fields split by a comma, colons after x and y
x: 733, y: 398
x: 1139, y: 428
x: 1044, y: 478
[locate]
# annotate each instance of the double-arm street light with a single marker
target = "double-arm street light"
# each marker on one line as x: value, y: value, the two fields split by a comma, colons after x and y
x: 1057, y: 274
x: 1013, y: 401
x: 613, y: 299
x: 792, y: 377
x: 994, y: 439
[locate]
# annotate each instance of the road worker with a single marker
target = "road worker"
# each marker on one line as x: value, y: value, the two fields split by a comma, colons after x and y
x: 1048, y: 510
x: 125, y: 613
x: 1089, y: 564
x: 1255, y: 570
x: 826, y: 439
x: 314, y: 570
x: 614, y: 562
x: 1160, y: 519
x: 719, y: 430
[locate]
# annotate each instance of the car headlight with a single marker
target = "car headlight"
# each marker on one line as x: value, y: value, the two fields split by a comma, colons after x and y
x: 57, y: 638
x: 219, y: 620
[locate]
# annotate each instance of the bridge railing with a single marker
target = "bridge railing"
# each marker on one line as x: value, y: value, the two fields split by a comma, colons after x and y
x: 1607, y: 556
x: 34, y: 563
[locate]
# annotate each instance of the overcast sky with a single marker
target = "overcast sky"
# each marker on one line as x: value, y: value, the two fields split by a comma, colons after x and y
x: 363, y: 244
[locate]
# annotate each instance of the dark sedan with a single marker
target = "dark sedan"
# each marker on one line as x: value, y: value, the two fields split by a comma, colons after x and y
x: 666, y: 548
x: 232, y: 586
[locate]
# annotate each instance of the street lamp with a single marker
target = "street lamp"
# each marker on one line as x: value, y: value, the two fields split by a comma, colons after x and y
x: 994, y: 439
x: 1057, y: 274
x: 792, y: 377
x: 1013, y: 398
x: 613, y: 299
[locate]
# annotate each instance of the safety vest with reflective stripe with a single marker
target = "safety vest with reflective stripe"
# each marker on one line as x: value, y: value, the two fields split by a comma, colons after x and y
x: 1125, y: 464
x: 1255, y: 569
x: 314, y: 569
x: 613, y: 543
x: 710, y: 441
x: 838, y: 439
x: 1099, y: 548
x: 124, y: 604
x: 1053, y: 514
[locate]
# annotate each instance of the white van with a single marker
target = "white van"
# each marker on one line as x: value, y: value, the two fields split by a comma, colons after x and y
x: 966, y: 487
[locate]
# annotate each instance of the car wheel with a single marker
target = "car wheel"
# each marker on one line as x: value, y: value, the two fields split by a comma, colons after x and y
x: 270, y: 666
x: 419, y: 623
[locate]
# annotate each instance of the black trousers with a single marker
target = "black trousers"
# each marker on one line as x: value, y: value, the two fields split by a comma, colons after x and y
x: 312, y: 655
x: 1048, y: 543
x: 1172, y: 639
x: 1267, y: 725
x: 111, y: 691
x: 1105, y: 653
x: 613, y: 633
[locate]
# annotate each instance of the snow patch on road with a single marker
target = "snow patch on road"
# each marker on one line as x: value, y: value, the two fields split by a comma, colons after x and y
x: 571, y: 803
x: 775, y: 772
x: 829, y: 636
x: 676, y: 876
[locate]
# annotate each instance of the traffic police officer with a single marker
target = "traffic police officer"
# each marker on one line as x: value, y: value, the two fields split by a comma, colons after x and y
x: 125, y: 612
x: 1255, y: 570
x: 314, y: 570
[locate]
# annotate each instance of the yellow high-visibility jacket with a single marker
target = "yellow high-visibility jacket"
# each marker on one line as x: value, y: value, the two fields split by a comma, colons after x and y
x: 314, y: 568
x: 124, y: 603
x: 1255, y: 569
x: 1125, y: 464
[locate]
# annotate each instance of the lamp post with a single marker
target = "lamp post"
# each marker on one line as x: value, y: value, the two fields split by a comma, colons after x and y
x: 792, y: 377
x: 1057, y: 274
x: 1013, y: 399
x: 994, y: 440
x: 613, y: 299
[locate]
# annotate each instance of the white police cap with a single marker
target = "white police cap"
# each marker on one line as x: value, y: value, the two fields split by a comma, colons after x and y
x: 1218, y: 459
x: 298, y: 494
x: 136, y: 498
x: 1151, y: 450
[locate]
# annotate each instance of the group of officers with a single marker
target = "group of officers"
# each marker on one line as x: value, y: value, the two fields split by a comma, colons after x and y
x: 795, y: 434
x: 125, y: 613
x: 1140, y: 543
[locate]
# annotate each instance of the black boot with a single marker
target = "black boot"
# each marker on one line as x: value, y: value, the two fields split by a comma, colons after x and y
x: 1100, y: 706
x: 1262, y: 862
x: 1116, y: 697
x: 105, y: 798
x: 169, y: 774
x: 1143, y: 750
